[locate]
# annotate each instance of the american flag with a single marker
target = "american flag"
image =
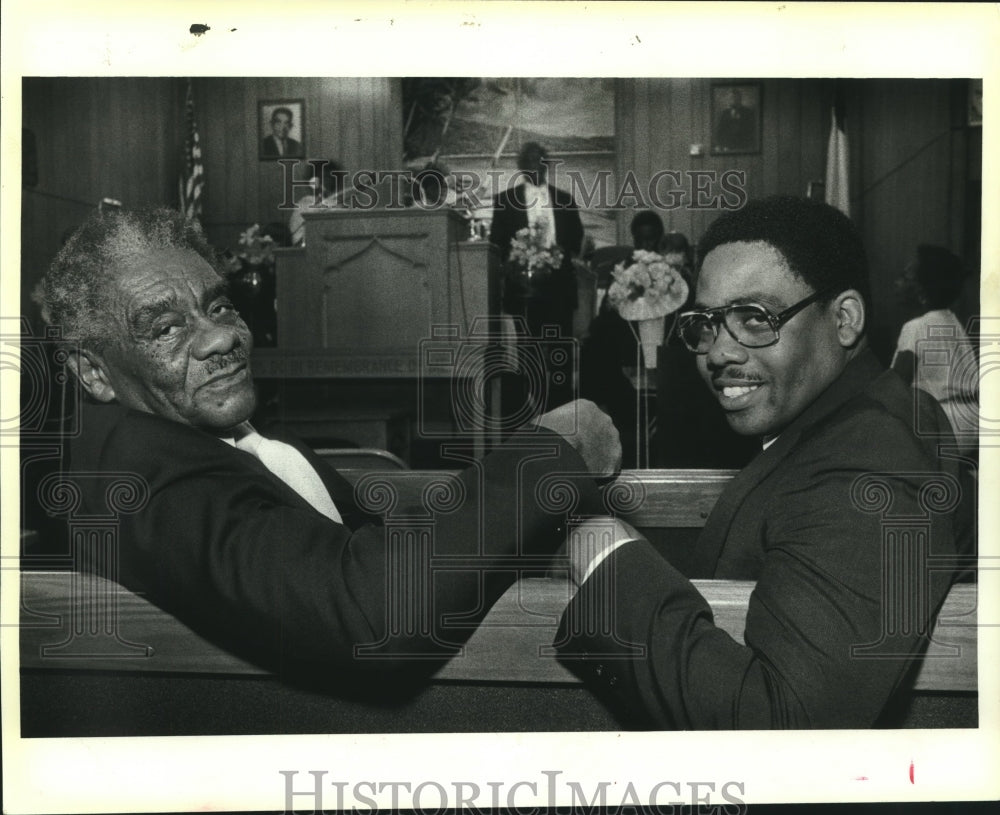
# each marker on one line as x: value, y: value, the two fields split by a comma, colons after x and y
x: 192, y: 179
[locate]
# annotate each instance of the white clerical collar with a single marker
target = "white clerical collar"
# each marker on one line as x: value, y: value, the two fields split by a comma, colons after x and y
x: 768, y: 442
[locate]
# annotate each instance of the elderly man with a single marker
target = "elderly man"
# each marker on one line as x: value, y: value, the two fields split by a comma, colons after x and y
x: 840, y: 607
x: 256, y: 543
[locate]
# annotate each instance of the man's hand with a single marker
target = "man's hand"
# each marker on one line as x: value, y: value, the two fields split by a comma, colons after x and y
x: 591, y: 433
x: 592, y: 541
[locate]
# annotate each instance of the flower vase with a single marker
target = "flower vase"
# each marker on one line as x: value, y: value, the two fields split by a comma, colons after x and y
x: 651, y: 336
x: 251, y: 279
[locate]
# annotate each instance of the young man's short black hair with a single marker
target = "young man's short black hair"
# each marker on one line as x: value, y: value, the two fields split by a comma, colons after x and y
x: 820, y: 244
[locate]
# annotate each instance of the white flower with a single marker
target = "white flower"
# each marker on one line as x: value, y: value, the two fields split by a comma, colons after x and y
x: 526, y: 251
x: 649, y: 288
x: 254, y: 247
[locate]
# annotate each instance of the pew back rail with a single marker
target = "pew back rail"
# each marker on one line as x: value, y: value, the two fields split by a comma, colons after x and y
x: 131, y: 647
x: 511, y: 645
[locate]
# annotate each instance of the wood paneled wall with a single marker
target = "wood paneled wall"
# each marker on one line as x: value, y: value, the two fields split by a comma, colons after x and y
x: 123, y: 138
x: 910, y: 177
x: 95, y: 138
x: 355, y: 121
x: 914, y: 165
x: 658, y: 120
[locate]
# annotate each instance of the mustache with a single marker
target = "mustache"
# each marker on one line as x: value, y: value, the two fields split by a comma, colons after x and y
x: 731, y: 375
x: 233, y: 358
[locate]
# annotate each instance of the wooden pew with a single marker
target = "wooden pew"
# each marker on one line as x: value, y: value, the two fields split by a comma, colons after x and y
x: 509, y: 646
x: 507, y: 661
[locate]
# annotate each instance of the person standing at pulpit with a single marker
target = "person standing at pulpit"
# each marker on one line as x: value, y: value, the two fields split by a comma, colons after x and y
x: 434, y: 187
x: 551, y: 216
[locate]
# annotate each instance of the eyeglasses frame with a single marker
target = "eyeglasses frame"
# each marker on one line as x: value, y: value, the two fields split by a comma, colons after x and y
x: 716, y: 317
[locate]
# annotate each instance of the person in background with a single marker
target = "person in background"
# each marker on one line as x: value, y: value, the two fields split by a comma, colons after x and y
x: 554, y: 215
x: 329, y: 186
x: 647, y: 231
x: 433, y: 187
x: 550, y: 297
x: 611, y: 345
x: 934, y: 352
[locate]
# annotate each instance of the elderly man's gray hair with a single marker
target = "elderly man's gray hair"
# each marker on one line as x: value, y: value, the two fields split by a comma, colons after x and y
x: 76, y: 291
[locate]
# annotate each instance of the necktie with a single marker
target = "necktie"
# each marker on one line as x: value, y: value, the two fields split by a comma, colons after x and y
x: 291, y: 467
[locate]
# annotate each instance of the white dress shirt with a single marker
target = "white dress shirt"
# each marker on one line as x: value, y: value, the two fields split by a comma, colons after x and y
x: 539, y: 210
x: 290, y: 466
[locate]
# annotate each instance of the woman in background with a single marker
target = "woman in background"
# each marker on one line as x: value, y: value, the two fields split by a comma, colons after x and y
x: 934, y: 352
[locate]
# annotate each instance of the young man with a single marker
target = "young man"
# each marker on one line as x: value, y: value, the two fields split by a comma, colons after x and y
x: 841, y: 608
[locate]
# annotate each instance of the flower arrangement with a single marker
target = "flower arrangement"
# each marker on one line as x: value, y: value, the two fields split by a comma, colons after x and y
x: 530, y: 256
x: 255, y: 249
x: 647, y: 289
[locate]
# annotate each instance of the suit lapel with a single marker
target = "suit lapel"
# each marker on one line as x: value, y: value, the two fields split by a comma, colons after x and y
x: 856, y: 376
x: 101, y: 421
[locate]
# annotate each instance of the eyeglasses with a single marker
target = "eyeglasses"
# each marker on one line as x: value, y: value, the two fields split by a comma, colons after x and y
x: 751, y: 325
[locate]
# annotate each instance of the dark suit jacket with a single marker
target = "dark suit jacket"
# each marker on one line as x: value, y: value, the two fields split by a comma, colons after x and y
x: 736, y: 129
x: 221, y: 543
x: 553, y: 299
x: 510, y: 215
x: 269, y: 148
x: 799, y: 522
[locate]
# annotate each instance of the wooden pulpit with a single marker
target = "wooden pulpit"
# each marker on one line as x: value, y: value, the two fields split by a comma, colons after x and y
x: 370, y: 287
x: 396, y: 295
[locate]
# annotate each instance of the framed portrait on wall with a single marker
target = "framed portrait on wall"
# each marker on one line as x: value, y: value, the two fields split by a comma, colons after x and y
x: 282, y: 128
x: 736, y: 117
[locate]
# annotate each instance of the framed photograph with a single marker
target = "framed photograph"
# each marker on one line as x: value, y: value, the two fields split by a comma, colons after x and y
x: 736, y: 117
x: 282, y: 128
